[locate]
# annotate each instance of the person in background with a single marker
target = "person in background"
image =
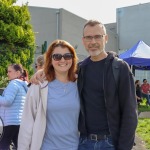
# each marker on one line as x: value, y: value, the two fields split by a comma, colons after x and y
x: 11, y: 104
x: 39, y: 62
x: 108, y: 117
x: 145, y: 87
x: 138, y: 91
x: 51, y: 111
x: 38, y: 65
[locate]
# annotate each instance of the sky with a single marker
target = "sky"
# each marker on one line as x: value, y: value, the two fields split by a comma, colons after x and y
x: 103, y: 10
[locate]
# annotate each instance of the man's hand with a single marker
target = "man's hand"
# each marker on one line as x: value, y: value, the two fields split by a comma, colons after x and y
x: 38, y: 77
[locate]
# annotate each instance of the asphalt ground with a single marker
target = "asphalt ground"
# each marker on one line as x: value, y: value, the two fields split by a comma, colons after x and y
x: 140, y: 145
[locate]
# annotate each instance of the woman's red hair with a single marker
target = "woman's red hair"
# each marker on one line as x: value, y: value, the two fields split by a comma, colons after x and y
x: 48, y: 67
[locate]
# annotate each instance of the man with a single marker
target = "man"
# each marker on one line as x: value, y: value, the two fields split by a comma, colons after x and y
x: 108, y: 117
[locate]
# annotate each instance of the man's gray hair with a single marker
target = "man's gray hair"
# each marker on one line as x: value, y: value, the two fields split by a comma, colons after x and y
x: 93, y: 23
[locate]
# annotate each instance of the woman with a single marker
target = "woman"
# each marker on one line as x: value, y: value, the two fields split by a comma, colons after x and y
x: 11, y: 104
x: 50, y: 117
x: 138, y: 91
x: 39, y: 62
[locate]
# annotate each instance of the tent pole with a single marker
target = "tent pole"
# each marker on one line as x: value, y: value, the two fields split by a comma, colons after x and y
x: 133, y: 70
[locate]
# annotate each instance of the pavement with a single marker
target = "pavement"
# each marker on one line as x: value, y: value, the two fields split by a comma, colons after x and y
x: 144, y: 114
x: 140, y: 145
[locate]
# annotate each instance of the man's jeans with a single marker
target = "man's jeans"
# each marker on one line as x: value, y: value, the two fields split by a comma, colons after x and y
x: 87, y: 144
x: 147, y: 96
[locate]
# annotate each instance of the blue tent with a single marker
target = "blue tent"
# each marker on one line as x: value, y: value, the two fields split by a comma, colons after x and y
x: 138, y: 55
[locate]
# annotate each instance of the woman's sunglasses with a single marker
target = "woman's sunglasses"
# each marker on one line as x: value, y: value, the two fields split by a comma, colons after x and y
x: 66, y: 56
x: 36, y: 66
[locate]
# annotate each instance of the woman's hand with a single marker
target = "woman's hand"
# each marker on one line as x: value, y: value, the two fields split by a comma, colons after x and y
x: 39, y: 76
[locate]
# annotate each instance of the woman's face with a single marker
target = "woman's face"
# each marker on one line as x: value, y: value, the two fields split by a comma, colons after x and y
x: 12, y: 73
x: 38, y: 67
x: 63, y: 65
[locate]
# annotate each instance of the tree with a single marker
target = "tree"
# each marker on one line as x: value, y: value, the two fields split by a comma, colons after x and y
x: 17, y: 40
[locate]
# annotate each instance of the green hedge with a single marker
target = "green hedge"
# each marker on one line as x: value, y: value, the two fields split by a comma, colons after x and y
x: 17, y: 39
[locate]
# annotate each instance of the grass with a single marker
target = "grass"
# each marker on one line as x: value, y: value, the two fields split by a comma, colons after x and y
x: 143, y: 128
x: 143, y: 106
x: 143, y: 131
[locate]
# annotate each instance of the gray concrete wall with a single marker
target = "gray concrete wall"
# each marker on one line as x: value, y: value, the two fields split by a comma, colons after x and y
x: 50, y: 24
x: 112, y: 44
x: 71, y: 31
x: 133, y: 24
x: 44, y: 22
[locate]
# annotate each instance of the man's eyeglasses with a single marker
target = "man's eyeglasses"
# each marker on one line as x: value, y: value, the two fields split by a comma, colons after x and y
x: 66, y: 56
x: 96, y: 37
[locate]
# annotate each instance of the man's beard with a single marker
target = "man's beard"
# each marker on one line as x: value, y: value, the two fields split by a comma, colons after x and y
x: 95, y: 52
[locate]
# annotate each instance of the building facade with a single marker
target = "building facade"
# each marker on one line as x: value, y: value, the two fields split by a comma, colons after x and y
x: 132, y: 24
x: 50, y: 24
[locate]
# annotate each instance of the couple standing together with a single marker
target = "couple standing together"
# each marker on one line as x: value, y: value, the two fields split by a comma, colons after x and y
x: 104, y: 113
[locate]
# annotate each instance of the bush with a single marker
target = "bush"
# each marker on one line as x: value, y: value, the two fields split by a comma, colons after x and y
x: 3, y: 82
x: 17, y: 39
x: 143, y: 106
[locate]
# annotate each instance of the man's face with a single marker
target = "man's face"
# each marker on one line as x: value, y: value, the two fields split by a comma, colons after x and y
x: 94, y: 39
x: 145, y: 81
